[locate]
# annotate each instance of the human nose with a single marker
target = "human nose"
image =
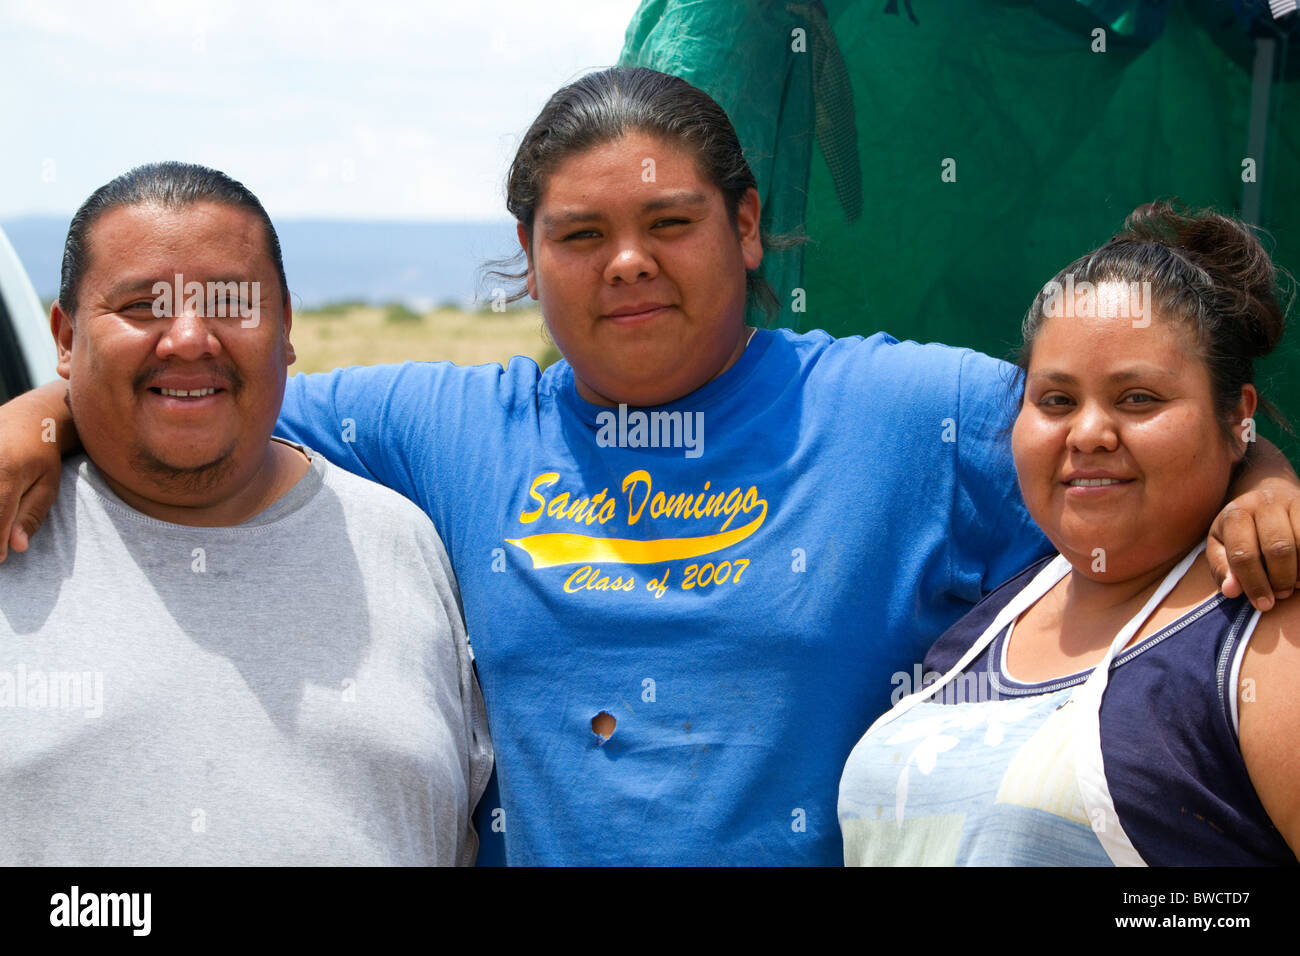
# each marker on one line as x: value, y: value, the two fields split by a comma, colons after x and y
x: 631, y: 262
x: 188, y: 337
x: 1093, y: 429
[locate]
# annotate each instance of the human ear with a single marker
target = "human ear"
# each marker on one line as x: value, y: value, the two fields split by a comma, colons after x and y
x: 289, y: 356
x: 1243, y: 415
x: 747, y: 226
x: 63, y: 330
x: 531, y: 280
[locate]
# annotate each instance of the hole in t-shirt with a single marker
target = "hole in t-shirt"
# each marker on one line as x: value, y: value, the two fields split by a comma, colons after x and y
x: 603, y: 724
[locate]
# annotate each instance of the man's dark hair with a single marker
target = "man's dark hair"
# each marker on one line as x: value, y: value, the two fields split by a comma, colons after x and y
x: 170, y: 185
x: 605, y: 106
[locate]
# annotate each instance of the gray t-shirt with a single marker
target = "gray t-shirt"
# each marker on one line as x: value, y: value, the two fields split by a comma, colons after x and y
x: 296, y: 689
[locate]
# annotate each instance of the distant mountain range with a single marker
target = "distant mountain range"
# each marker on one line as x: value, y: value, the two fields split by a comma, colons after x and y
x: 420, y: 264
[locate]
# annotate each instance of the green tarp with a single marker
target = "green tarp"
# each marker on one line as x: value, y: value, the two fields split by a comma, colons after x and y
x: 946, y: 157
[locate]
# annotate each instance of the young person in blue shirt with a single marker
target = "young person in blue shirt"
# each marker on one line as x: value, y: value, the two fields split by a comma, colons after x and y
x: 695, y: 557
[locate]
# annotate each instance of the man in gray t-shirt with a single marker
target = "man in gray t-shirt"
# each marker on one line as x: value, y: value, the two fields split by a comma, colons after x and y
x: 223, y: 650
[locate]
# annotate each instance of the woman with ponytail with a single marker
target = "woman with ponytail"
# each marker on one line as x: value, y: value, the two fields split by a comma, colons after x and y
x: 1109, y: 705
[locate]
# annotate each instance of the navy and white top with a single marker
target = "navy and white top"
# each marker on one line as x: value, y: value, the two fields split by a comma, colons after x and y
x: 991, y: 771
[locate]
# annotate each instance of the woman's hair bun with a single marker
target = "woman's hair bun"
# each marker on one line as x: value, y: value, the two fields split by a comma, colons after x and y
x: 1245, y: 285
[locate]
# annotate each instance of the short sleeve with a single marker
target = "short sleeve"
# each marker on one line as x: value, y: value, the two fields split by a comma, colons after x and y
x: 363, y: 419
x: 431, y: 431
x: 994, y: 536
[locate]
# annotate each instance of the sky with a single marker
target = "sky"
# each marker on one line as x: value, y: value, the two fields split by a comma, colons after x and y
x: 376, y: 110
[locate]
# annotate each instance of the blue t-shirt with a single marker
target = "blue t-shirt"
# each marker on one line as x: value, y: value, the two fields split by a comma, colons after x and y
x: 736, y: 578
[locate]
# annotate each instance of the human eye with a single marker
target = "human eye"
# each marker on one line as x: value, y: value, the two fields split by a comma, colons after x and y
x: 669, y: 221
x: 1139, y: 398
x: 1054, y: 400
x: 226, y: 304
x: 579, y: 234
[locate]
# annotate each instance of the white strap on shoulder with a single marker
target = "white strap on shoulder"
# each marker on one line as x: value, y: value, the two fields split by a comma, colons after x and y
x: 1042, y: 582
x: 1089, y: 768
x: 1234, y: 674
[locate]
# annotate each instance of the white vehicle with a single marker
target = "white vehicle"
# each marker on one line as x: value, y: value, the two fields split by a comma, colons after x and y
x: 27, y: 354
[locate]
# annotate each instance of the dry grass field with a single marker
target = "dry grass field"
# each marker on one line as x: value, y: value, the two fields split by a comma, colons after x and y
x: 343, y: 335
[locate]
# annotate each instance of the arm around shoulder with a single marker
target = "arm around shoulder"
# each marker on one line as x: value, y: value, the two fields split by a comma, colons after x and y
x: 36, y: 430
x: 997, y: 535
x: 1252, y: 543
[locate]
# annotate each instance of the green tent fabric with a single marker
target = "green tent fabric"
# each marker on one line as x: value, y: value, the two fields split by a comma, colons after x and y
x: 945, y: 158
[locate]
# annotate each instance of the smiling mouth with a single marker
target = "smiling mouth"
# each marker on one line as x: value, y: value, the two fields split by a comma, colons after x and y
x: 1096, y: 482
x: 186, y: 396
x: 186, y: 393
